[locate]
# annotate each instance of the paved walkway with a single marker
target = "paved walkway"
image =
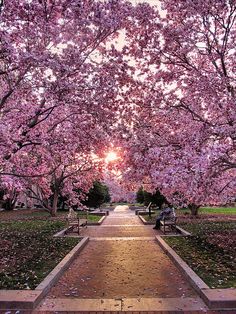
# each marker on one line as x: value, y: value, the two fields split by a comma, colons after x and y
x: 122, y: 269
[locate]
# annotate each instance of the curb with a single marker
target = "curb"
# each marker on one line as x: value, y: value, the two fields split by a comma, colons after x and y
x: 197, y: 283
x: 29, y: 299
x: 214, y: 298
x: 220, y: 298
x: 19, y: 299
x: 98, y: 222
x: 100, y: 213
x: 60, y: 233
x: 54, y: 275
x: 183, y: 232
x: 144, y: 221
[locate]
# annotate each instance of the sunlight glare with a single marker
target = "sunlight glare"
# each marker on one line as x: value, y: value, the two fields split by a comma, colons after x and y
x: 111, y: 156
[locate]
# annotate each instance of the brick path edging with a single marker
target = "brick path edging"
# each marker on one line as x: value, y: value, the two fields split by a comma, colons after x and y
x: 214, y: 298
x: 29, y: 299
x: 145, y: 222
x: 98, y: 222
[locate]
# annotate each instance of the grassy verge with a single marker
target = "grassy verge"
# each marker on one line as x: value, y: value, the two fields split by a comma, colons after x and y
x: 218, y: 210
x: 40, y: 214
x: 91, y: 218
x: 202, y: 210
x: 36, y: 213
x: 210, y: 252
x: 28, y: 252
x: 210, y: 210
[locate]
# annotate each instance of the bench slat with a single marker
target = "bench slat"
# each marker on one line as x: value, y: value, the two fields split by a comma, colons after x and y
x: 74, y: 223
x: 170, y: 223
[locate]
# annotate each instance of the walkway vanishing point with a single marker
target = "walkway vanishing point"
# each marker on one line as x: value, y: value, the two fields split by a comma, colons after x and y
x: 123, y: 269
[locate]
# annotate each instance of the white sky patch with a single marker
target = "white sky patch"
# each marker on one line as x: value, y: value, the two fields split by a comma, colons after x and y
x: 157, y: 3
x: 50, y: 76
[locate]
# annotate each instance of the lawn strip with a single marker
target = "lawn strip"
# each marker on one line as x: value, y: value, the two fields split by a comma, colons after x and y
x: 91, y: 217
x: 29, y: 252
x: 218, y: 210
x: 210, y: 252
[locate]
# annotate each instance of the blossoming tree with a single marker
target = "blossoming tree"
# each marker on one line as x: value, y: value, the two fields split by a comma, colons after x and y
x: 182, y: 135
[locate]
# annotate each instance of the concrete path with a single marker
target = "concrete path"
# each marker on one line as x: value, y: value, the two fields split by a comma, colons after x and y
x: 120, y: 223
x: 121, y: 208
x: 122, y: 269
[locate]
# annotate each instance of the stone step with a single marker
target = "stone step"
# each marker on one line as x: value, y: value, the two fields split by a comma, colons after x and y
x: 18, y: 299
x: 157, y: 305
x: 122, y: 238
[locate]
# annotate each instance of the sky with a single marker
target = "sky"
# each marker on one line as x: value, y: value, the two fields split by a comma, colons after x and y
x: 151, y: 2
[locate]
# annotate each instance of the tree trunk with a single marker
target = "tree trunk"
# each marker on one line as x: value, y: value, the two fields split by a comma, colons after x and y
x: 53, y: 211
x: 194, y: 209
x: 149, y: 210
x: 9, y: 204
x: 63, y: 205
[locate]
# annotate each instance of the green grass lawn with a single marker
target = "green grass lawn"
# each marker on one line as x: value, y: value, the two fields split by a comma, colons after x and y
x: 210, y: 210
x: 218, y: 210
x: 91, y: 217
x: 202, y: 210
x: 28, y: 252
x: 210, y: 252
x: 43, y: 213
x: 40, y: 214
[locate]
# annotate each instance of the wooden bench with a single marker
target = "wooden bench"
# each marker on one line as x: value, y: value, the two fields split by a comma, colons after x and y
x: 146, y: 210
x: 75, y: 223
x: 169, y: 223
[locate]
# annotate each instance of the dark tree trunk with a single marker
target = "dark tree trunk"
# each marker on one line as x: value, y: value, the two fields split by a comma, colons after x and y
x: 9, y: 204
x: 63, y: 205
x: 150, y: 210
x: 194, y: 209
x: 53, y: 210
